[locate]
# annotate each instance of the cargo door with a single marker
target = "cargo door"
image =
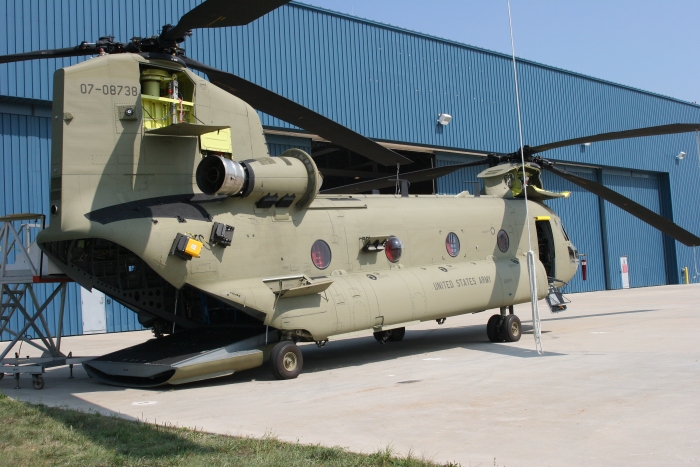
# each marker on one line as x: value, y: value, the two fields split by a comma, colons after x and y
x: 545, y: 244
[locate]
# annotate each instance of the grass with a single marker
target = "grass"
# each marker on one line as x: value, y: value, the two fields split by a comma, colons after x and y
x: 40, y: 435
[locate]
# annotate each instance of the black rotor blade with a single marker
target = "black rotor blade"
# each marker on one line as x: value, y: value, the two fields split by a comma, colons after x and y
x: 80, y: 50
x: 637, y: 210
x: 648, y: 131
x: 278, y: 106
x: 413, y: 177
x: 222, y: 13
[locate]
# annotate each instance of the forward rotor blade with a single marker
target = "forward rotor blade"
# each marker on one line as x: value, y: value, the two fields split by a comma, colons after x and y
x: 278, y: 106
x: 222, y: 13
x: 648, y: 131
x: 77, y: 51
x: 412, y: 177
x: 637, y: 210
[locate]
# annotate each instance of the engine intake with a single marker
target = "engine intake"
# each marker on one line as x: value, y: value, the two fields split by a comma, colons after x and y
x: 217, y: 175
x: 291, y: 178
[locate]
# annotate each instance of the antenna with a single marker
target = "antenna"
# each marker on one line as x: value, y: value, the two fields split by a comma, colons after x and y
x: 530, y: 253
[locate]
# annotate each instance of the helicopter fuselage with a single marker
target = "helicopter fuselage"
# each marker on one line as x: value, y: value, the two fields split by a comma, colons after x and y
x: 123, y: 190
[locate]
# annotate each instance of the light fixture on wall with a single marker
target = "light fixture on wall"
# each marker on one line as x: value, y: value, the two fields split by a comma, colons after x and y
x: 680, y: 156
x: 444, y: 119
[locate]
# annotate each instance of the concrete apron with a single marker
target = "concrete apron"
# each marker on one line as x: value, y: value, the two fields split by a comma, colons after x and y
x: 618, y: 385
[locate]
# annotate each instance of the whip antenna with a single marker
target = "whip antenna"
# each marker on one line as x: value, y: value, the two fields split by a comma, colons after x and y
x: 530, y: 254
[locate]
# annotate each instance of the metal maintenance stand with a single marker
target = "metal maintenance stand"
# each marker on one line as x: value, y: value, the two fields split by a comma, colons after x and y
x: 19, y: 299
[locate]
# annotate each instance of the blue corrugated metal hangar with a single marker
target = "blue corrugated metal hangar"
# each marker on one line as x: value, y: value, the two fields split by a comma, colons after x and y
x: 388, y: 84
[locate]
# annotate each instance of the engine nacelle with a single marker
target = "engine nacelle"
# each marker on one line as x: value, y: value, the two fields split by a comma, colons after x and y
x: 291, y: 178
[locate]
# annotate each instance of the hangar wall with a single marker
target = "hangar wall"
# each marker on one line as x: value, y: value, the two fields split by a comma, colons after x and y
x: 390, y: 84
x: 25, y: 142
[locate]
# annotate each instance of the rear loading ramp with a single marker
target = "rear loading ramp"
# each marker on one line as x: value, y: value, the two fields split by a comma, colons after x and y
x: 183, y: 357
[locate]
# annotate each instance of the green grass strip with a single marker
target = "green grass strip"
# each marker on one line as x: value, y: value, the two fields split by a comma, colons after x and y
x: 40, y: 435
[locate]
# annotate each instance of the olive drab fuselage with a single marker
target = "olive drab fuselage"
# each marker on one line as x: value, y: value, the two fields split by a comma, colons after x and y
x: 105, y: 164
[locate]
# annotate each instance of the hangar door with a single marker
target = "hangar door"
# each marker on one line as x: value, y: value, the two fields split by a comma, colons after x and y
x: 627, y: 236
x: 580, y: 214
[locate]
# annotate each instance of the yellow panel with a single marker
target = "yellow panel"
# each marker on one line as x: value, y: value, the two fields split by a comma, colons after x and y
x: 217, y: 141
x: 542, y: 218
x: 158, y: 111
x: 194, y: 248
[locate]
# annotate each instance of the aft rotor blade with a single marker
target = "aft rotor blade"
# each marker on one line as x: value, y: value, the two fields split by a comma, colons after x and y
x: 222, y: 13
x: 278, y: 106
x: 412, y: 177
x: 77, y: 51
x: 637, y: 210
x: 648, y: 131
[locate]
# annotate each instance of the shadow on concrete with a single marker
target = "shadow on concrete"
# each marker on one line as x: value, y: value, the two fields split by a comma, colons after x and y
x: 558, y: 318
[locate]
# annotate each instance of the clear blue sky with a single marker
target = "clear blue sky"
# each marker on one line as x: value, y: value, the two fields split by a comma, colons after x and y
x: 648, y: 44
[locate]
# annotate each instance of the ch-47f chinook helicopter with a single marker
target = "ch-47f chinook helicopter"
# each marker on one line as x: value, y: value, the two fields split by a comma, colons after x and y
x: 164, y: 197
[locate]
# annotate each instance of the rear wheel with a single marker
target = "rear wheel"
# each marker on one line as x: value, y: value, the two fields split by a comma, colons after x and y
x: 511, y: 328
x: 381, y: 336
x: 397, y: 334
x: 492, y: 329
x: 286, y: 360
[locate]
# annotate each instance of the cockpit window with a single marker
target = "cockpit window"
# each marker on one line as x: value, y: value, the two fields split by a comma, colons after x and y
x: 563, y: 230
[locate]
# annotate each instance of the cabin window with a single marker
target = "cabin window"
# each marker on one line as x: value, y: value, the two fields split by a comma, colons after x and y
x: 503, y: 241
x: 321, y: 254
x: 393, y: 247
x: 452, y: 244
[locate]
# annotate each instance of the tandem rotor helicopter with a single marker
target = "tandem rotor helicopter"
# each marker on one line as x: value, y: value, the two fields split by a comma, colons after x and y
x: 164, y: 197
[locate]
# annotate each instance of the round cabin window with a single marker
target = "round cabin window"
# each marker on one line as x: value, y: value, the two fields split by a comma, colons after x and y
x: 321, y: 254
x: 393, y: 249
x: 503, y: 241
x: 452, y: 244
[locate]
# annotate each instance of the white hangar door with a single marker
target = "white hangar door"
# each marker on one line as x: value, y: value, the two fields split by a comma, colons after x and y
x: 626, y: 236
x: 94, y: 312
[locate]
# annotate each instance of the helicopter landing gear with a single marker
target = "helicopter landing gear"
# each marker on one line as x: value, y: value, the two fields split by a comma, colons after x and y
x: 504, y: 328
x: 511, y: 329
x: 392, y: 335
x: 286, y: 360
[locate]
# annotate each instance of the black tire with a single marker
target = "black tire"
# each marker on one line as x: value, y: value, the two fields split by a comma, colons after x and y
x: 381, y: 336
x: 511, y: 328
x: 395, y: 335
x: 2, y: 375
x: 286, y: 360
x: 492, y: 329
x: 38, y: 382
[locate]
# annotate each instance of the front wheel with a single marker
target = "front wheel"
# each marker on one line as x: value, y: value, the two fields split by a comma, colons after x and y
x: 286, y: 360
x: 511, y: 328
x: 492, y: 330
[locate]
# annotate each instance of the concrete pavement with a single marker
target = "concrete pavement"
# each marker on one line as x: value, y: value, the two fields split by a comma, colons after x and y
x: 618, y: 385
